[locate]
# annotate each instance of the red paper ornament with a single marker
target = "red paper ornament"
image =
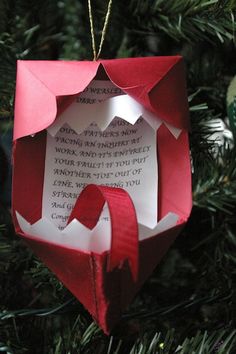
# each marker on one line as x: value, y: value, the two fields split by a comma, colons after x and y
x: 106, y: 268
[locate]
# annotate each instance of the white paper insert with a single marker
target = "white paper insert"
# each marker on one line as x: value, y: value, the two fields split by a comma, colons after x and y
x: 121, y: 155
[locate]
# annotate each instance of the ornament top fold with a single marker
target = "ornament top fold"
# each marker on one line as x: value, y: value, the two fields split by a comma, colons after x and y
x: 45, y: 88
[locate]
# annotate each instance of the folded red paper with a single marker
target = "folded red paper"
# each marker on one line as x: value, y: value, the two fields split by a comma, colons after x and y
x: 105, y: 282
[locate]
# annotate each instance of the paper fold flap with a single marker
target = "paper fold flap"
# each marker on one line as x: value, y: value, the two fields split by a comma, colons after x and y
x: 157, y: 83
x: 77, y: 236
x: 79, y: 116
x: 40, y: 83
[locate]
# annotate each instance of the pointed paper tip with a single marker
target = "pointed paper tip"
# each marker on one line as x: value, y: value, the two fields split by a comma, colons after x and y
x: 134, y: 270
x: 118, y: 263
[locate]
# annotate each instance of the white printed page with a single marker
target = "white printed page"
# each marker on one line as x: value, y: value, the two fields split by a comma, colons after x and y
x: 117, y: 154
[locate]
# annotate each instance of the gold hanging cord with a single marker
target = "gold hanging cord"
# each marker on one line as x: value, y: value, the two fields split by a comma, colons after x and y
x: 95, y: 54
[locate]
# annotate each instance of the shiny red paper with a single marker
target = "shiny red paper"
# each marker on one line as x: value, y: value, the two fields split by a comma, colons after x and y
x: 104, y: 283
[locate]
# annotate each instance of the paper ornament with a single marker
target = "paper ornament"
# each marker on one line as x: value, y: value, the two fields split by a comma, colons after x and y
x: 231, y: 105
x: 102, y: 180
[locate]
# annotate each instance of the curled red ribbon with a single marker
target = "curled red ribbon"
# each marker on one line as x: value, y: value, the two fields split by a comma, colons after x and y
x: 124, y: 226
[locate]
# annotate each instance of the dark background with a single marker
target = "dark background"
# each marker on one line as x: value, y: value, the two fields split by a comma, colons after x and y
x: 188, y: 305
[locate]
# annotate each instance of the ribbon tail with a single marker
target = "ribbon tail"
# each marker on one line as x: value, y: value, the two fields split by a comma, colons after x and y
x: 124, y: 226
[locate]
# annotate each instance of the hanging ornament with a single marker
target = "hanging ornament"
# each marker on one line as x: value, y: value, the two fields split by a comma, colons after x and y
x: 221, y: 134
x: 231, y: 105
x: 102, y: 178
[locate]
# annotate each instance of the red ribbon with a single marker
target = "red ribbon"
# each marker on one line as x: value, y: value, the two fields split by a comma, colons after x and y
x: 124, y: 226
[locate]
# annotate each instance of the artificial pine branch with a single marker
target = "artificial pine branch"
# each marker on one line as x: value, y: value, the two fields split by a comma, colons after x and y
x: 185, y: 20
x: 193, y: 289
